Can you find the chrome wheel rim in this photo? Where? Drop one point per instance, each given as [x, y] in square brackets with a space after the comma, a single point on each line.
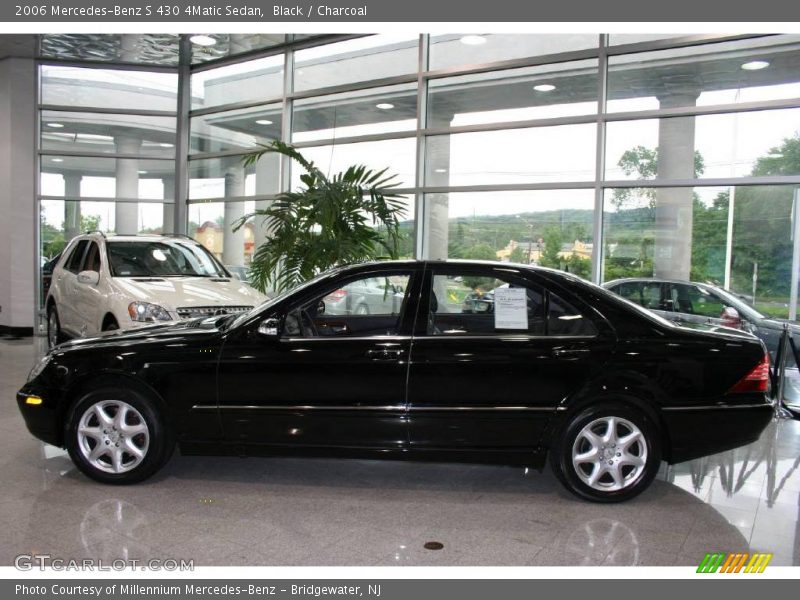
[52, 328]
[113, 436]
[609, 454]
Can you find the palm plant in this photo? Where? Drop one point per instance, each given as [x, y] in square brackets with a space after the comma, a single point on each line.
[349, 217]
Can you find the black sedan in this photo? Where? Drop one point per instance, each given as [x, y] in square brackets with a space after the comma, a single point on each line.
[559, 367]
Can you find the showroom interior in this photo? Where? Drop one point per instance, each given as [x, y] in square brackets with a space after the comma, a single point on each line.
[605, 155]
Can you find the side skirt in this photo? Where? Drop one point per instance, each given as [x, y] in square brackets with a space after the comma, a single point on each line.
[535, 457]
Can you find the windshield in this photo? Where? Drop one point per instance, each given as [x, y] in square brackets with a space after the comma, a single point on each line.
[740, 305]
[162, 259]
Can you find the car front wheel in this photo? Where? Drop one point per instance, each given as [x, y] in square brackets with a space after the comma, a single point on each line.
[117, 436]
[607, 453]
[54, 335]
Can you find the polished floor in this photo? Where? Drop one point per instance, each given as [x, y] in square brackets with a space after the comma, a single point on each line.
[256, 511]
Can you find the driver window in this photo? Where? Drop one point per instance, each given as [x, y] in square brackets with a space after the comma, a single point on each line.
[369, 306]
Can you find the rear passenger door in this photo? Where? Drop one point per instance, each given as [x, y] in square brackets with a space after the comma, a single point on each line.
[649, 294]
[486, 376]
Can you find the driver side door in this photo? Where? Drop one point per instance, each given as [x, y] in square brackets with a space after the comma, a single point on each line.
[332, 377]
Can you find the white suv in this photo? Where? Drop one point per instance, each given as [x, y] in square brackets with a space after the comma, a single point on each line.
[103, 283]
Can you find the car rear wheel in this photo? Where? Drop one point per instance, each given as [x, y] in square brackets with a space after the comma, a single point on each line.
[54, 335]
[117, 436]
[607, 453]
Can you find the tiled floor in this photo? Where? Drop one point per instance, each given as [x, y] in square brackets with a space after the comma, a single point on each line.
[231, 511]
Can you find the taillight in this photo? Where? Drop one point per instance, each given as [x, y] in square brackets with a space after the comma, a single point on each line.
[756, 380]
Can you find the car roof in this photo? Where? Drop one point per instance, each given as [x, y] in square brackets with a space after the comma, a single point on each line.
[658, 280]
[142, 237]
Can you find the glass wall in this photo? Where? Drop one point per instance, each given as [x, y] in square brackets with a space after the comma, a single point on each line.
[607, 156]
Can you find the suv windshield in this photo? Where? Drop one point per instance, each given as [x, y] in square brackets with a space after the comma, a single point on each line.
[162, 259]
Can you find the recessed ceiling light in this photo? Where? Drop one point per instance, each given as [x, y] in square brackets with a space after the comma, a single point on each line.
[57, 159]
[203, 40]
[544, 87]
[384, 106]
[755, 65]
[142, 172]
[56, 125]
[263, 121]
[473, 40]
[440, 170]
[166, 145]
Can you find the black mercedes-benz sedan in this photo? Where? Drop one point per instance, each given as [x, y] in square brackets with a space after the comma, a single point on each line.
[552, 366]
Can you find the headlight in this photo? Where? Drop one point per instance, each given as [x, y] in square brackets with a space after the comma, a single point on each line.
[39, 367]
[144, 312]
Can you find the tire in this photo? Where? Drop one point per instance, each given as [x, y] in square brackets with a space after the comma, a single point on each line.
[110, 324]
[145, 430]
[596, 466]
[54, 334]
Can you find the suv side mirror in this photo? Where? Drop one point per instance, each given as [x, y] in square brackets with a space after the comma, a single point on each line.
[269, 327]
[89, 277]
[731, 317]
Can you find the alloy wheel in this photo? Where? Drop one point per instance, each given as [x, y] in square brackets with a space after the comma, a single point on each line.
[609, 454]
[113, 436]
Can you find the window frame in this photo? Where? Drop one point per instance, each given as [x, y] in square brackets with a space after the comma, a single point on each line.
[405, 318]
[511, 275]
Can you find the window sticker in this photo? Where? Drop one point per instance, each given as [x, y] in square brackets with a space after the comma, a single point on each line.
[510, 308]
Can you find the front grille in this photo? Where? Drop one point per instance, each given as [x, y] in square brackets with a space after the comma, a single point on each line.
[190, 312]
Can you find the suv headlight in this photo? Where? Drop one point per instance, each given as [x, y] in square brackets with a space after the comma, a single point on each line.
[39, 367]
[144, 312]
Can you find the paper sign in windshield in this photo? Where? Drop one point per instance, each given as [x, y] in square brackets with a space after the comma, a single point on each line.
[510, 308]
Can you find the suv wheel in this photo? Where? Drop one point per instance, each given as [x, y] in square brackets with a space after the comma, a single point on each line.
[117, 436]
[54, 335]
[607, 453]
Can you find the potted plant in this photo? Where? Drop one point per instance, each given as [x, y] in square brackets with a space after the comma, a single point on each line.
[351, 216]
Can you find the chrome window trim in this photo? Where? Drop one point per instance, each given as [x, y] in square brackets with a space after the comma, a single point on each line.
[385, 408]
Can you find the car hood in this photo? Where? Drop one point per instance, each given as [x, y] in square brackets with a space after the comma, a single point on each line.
[190, 328]
[178, 292]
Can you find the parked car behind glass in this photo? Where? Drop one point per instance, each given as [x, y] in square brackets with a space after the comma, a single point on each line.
[105, 283]
[690, 303]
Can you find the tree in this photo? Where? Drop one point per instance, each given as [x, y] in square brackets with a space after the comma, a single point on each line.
[479, 252]
[643, 163]
[553, 241]
[518, 255]
[349, 217]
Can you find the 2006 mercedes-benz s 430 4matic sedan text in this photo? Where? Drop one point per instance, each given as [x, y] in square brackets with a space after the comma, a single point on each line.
[553, 365]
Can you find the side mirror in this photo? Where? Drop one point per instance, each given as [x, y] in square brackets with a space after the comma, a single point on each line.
[321, 307]
[731, 317]
[89, 277]
[269, 327]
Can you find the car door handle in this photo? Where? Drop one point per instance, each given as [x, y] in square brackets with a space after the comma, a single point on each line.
[570, 352]
[384, 354]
